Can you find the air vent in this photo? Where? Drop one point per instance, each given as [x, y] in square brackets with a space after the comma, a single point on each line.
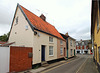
[35, 33]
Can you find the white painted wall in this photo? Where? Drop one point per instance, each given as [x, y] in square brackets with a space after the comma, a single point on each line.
[43, 39]
[4, 59]
[28, 39]
[19, 34]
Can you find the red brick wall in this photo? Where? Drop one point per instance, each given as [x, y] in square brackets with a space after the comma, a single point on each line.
[19, 59]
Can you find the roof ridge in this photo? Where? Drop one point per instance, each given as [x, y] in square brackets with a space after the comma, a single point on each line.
[36, 15]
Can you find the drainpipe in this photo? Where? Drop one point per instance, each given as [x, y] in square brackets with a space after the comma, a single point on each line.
[92, 45]
[96, 53]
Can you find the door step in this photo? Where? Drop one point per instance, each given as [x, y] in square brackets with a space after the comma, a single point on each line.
[44, 64]
[65, 58]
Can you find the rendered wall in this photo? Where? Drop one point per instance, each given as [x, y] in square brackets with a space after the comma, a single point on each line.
[4, 59]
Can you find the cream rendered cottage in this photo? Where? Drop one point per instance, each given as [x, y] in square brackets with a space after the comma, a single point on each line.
[29, 30]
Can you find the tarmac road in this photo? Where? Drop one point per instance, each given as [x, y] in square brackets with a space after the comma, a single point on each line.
[69, 67]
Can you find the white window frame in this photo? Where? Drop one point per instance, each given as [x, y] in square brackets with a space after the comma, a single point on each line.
[97, 23]
[76, 43]
[61, 50]
[26, 27]
[70, 42]
[82, 43]
[61, 42]
[50, 39]
[50, 50]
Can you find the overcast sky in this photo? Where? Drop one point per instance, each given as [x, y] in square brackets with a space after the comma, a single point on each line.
[72, 16]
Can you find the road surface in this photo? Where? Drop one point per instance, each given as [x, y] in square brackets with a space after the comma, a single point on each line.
[69, 67]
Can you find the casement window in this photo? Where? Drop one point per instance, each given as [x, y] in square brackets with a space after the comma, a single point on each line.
[76, 43]
[99, 54]
[61, 50]
[17, 20]
[50, 39]
[26, 27]
[97, 23]
[61, 42]
[82, 43]
[70, 42]
[50, 50]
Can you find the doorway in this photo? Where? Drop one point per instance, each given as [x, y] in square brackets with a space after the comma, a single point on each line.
[43, 53]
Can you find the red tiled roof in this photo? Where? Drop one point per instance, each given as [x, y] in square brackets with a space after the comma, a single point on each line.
[2, 42]
[40, 24]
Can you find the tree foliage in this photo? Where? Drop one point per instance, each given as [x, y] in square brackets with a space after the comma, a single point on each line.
[4, 37]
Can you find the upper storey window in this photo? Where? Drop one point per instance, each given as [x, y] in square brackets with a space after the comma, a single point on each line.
[50, 39]
[16, 20]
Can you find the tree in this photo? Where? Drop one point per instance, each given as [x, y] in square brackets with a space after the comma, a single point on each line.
[4, 37]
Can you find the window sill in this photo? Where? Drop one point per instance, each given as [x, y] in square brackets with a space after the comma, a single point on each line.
[51, 42]
[61, 54]
[50, 55]
[61, 44]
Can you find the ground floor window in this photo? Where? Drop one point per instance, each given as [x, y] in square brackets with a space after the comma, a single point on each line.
[99, 54]
[50, 50]
[61, 50]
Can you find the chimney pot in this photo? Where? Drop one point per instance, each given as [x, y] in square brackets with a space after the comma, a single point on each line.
[43, 17]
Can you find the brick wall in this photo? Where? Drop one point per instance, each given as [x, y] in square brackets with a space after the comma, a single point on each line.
[19, 59]
[58, 49]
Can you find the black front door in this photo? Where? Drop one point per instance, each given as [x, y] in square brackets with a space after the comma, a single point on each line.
[42, 53]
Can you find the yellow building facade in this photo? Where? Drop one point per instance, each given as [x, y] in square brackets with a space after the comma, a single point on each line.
[95, 31]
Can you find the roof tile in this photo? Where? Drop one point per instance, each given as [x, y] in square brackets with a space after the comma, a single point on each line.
[40, 24]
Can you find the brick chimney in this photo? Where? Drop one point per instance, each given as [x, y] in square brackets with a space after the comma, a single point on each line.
[43, 17]
[66, 34]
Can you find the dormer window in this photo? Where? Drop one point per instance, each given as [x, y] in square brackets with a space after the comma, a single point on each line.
[50, 39]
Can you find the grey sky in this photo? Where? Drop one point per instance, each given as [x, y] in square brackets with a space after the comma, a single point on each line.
[72, 16]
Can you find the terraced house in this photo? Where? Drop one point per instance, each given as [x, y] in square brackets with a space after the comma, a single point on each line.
[70, 44]
[29, 30]
[82, 47]
[95, 31]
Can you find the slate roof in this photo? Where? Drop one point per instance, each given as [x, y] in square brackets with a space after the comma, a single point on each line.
[39, 24]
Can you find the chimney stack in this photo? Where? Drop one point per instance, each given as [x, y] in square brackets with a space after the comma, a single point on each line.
[66, 34]
[43, 17]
